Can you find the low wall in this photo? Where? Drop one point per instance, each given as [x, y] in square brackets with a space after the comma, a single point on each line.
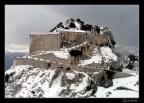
[88, 69]
[51, 57]
[34, 62]
[95, 73]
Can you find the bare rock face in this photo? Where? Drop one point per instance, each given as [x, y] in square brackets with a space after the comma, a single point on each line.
[106, 83]
[116, 66]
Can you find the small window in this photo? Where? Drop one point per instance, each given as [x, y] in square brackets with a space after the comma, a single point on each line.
[68, 68]
[83, 48]
[59, 67]
[49, 65]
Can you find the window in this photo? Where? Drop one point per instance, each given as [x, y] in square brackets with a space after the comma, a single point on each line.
[68, 68]
[49, 65]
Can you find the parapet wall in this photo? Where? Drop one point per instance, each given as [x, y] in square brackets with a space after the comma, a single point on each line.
[89, 69]
[34, 62]
[51, 57]
[43, 63]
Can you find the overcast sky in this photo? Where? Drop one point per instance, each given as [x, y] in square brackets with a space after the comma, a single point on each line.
[20, 20]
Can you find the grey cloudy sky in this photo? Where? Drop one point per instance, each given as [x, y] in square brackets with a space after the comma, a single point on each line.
[20, 20]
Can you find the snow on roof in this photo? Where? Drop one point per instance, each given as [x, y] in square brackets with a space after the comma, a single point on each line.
[43, 33]
[70, 30]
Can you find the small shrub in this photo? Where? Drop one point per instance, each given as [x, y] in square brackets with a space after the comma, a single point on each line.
[129, 66]
[72, 25]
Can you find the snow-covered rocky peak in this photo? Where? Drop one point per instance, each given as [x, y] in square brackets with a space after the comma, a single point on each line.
[73, 20]
[77, 25]
[24, 81]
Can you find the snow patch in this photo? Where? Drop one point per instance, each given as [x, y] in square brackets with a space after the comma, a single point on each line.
[108, 54]
[70, 75]
[69, 30]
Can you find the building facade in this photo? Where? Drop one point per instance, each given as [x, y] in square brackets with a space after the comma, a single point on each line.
[53, 41]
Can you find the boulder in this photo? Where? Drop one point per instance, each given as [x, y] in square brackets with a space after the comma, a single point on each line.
[105, 83]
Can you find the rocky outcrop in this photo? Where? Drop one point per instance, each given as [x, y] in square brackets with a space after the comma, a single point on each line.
[36, 82]
[105, 83]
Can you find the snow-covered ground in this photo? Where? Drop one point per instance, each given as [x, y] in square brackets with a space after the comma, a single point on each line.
[34, 82]
[30, 82]
[128, 82]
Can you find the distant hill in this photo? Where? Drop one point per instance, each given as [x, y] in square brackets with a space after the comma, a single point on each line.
[9, 56]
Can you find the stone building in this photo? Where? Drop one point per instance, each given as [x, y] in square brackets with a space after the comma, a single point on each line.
[44, 41]
[53, 41]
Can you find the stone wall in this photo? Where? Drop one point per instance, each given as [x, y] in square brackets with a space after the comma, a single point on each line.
[100, 40]
[53, 41]
[95, 73]
[34, 62]
[45, 42]
[88, 69]
[73, 35]
[52, 57]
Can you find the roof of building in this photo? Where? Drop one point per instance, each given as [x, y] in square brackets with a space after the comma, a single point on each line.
[70, 30]
[43, 33]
